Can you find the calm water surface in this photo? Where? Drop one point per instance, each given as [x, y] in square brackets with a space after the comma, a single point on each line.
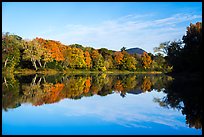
[99, 104]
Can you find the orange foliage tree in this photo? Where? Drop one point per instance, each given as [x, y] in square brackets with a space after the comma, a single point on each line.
[87, 59]
[146, 60]
[118, 57]
[53, 47]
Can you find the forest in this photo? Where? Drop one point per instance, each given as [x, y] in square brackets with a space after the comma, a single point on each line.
[41, 55]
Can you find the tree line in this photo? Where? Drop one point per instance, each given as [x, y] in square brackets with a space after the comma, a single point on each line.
[41, 54]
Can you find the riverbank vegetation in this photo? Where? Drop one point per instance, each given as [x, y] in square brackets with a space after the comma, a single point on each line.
[184, 56]
[40, 55]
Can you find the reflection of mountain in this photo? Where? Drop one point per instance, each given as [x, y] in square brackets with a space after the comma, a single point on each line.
[135, 92]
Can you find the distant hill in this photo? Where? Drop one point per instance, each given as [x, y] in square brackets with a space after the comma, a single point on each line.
[135, 50]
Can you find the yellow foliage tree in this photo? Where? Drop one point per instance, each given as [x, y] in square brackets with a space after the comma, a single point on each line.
[146, 60]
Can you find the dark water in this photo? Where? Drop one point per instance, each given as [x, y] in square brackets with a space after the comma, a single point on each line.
[101, 104]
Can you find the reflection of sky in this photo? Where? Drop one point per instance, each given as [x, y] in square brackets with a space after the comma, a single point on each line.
[112, 114]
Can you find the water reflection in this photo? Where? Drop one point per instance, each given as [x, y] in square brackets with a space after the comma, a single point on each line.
[185, 94]
[40, 89]
[46, 89]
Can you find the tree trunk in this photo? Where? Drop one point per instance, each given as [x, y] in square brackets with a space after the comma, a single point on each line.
[40, 63]
[39, 81]
[5, 82]
[44, 65]
[44, 80]
[12, 58]
[5, 63]
[35, 65]
[34, 79]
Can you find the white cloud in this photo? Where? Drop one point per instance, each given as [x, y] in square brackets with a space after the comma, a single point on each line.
[127, 112]
[177, 18]
[129, 31]
[133, 111]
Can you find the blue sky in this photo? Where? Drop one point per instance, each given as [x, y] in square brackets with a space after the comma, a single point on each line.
[101, 24]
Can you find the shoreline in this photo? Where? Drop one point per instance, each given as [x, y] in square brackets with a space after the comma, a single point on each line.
[52, 72]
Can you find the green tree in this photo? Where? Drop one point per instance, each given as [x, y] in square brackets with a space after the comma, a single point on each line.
[186, 55]
[11, 45]
[192, 51]
[128, 62]
[98, 61]
[74, 58]
[123, 49]
[108, 59]
[173, 51]
[160, 64]
[163, 48]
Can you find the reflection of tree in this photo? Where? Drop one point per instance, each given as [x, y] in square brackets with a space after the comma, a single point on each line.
[10, 92]
[186, 91]
[160, 82]
[51, 93]
[74, 87]
[107, 86]
[124, 83]
[118, 86]
[41, 89]
[87, 85]
[97, 83]
[38, 92]
[146, 86]
[130, 82]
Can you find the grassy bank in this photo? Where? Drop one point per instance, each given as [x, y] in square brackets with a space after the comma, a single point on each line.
[30, 71]
[52, 72]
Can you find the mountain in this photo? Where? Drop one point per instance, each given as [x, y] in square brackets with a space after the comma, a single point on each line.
[135, 50]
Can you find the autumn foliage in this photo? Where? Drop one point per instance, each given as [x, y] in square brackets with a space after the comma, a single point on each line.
[146, 60]
[44, 54]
